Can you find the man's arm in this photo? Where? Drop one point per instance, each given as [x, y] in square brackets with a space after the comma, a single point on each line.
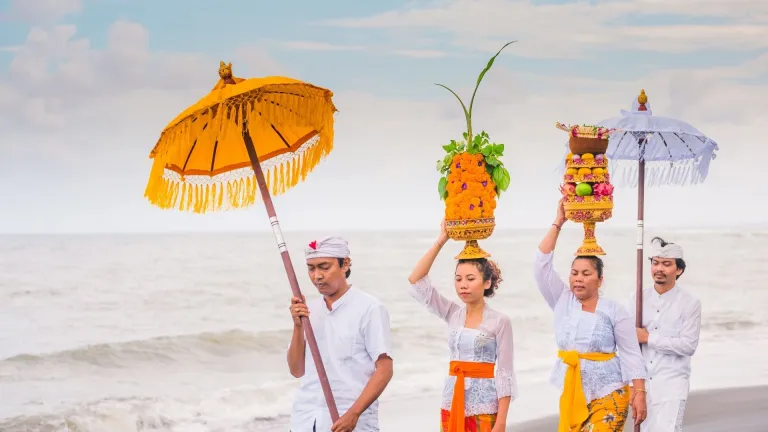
[296, 351]
[687, 342]
[377, 343]
[376, 385]
[376, 332]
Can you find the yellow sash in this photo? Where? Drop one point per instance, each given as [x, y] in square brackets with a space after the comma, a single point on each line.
[573, 403]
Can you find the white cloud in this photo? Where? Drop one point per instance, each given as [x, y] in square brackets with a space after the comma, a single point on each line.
[110, 105]
[324, 46]
[55, 74]
[43, 10]
[421, 53]
[574, 29]
[381, 174]
[320, 46]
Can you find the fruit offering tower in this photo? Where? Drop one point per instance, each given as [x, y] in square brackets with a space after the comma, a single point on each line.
[586, 185]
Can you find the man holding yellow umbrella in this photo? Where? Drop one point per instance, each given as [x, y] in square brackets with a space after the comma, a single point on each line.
[266, 134]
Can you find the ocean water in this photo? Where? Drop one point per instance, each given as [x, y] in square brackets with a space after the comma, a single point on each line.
[187, 332]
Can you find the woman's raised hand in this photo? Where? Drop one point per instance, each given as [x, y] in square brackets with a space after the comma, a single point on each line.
[443, 237]
[560, 217]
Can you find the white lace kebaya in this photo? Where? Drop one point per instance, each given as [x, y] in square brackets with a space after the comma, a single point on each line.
[608, 328]
[490, 342]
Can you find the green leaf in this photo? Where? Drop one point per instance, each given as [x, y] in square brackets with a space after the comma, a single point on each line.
[448, 147]
[464, 107]
[501, 178]
[482, 74]
[462, 147]
[498, 149]
[492, 161]
[486, 151]
[496, 175]
[441, 187]
[489, 169]
[447, 160]
[440, 165]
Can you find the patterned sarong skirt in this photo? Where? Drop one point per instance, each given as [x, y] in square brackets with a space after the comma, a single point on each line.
[607, 414]
[475, 423]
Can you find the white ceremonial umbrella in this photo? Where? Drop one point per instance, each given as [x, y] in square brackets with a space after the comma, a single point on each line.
[652, 150]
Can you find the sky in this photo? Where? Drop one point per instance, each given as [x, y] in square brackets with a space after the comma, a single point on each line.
[86, 86]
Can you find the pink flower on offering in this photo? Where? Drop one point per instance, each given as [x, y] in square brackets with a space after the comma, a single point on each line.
[603, 189]
[607, 189]
[569, 188]
[598, 189]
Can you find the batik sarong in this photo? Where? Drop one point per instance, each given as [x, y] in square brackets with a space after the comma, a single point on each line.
[475, 423]
[607, 414]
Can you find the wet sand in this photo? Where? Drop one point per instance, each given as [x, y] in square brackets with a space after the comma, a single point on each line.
[725, 410]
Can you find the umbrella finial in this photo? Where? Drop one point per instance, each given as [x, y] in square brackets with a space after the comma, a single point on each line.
[225, 75]
[642, 100]
[225, 70]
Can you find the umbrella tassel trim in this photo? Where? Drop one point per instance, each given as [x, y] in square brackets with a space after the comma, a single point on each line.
[625, 173]
[235, 189]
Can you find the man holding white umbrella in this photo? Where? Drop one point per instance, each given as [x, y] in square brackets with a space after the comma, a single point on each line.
[649, 150]
[669, 337]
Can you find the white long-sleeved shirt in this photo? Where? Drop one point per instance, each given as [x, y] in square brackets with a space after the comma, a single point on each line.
[351, 337]
[673, 321]
[490, 342]
[609, 329]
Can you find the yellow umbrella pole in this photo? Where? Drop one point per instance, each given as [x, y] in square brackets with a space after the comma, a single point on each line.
[281, 246]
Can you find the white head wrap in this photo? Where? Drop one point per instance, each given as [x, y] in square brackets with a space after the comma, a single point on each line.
[328, 247]
[671, 250]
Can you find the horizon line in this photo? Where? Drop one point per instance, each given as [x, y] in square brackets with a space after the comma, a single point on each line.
[749, 227]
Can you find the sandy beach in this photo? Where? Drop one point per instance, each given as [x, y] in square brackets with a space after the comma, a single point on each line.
[739, 409]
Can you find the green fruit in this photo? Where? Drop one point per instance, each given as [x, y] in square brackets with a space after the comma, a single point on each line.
[583, 189]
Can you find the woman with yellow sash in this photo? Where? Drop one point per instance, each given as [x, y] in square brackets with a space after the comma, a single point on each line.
[589, 329]
[475, 397]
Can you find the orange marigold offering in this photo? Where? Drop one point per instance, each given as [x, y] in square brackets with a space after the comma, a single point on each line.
[471, 178]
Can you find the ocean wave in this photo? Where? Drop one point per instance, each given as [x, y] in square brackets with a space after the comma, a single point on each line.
[192, 347]
[730, 324]
[242, 409]
[163, 349]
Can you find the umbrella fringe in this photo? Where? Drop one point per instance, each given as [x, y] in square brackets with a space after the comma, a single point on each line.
[237, 189]
[625, 173]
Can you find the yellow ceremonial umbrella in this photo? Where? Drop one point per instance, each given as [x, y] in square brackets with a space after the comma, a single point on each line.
[246, 133]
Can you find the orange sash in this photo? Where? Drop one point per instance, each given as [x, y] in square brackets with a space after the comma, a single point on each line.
[462, 370]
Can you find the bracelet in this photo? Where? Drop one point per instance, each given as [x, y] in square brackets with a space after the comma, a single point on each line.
[642, 390]
[557, 226]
